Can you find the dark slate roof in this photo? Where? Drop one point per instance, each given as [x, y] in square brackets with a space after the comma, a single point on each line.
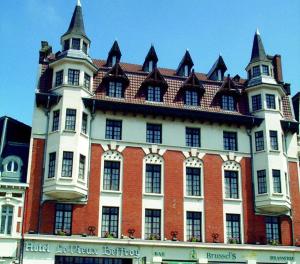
[77, 25]
[258, 51]
[219, 64]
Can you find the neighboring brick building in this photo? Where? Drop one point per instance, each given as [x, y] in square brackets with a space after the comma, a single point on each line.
[14, 150]
[136, 163]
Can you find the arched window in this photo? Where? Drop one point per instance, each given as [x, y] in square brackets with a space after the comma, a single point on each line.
[12, 166]
[6, 219]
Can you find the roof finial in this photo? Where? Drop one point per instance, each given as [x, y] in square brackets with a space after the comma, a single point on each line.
[78, 3]
[257, 32]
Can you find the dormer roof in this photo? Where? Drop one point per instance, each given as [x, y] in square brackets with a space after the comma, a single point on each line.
[186, 60]
[114, 51]
[155, 78]
[151, 56]
[258, 51]
[229, 87]
[218, 65]
[116, 73]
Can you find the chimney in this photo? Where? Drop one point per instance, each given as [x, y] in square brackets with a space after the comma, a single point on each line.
[287, 88]
[277, 68]
[45, 51]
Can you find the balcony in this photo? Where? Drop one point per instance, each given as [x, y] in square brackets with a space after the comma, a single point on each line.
[65, 189]
[272, 204]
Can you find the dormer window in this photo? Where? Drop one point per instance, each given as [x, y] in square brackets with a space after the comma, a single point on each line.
[154, 94]
[186, 70]
[150, 66]
[185, 65]
[255, 71]
[265, 70]
[113, 60]
[150, 60]
[219, 73]
[66, 44]
[76, 43]
[191, 98]
[228, 103]
[115, 89]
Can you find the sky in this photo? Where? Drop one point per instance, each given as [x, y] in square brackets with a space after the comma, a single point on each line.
[206, 28]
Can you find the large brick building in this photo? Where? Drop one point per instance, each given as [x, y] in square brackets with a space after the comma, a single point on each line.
[135, 163]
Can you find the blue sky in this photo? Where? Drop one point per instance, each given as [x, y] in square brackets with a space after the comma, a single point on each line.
[206, 28]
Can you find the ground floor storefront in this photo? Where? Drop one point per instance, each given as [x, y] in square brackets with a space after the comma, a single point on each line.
[40, 249]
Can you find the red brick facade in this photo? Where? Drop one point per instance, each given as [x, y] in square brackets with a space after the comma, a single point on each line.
[85, 215]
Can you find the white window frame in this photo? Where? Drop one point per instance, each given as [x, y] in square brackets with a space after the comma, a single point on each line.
[193, 162]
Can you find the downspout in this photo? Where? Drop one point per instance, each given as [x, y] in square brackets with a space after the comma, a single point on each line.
[3, 137]
[288, 184]
[47, 113]
[90, 148]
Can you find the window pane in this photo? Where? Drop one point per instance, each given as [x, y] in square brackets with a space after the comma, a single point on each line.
[63, 218]
[110, 222]
[259, 140]
[111, 179]
[153, 178]
[153, 133]
[273, 140]
[272, 229]
[233, 228]
[154, 94]
[70, 119]
[81, 167]
[193, 182]
[73, 77]
[265, 70]
[192, 137]
[256, 102]
[55, 121]
[84, 123]
[230, 140]
[261, 181]
[270, 98]
[191, 98]
[256, 71]
[276, 181]
[152, 224]
[87, 81]
[113, 129]
[67, 165]
[52, 161]
[76, 43]
[59, 78]
[228, 102]
[115, 89]
[231, 184]
[6, 219]
[193, 226]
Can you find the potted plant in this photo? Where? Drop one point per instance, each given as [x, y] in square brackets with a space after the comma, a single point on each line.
[194, 239]
[274, 242]
[154, 237]
[233, 240]
[109, 235]
[215, 237]
[131, 232]
[61, 233]
[174, 235]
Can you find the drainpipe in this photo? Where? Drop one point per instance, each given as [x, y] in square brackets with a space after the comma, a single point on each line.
[90, 148]
[3, 137]
[47, 113]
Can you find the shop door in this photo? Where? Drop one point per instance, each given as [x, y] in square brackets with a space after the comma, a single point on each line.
[88, 260]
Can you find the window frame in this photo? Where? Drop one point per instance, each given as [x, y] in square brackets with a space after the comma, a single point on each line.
[70, 122]
[153, 178]
[276, 176]
[110, 213]
[82, 167]
[259, 140]
[256, 102]
[52, 165]
[191, 98]
[228, 102]
[7, 228]
[271, 101]
[76, 43]
[265, 70]
[115, 89]
[59, 78]
[153, 225]
[113, 129]
[67, 164]
[231, 184]
[154, 94]
[262, 187]
[273, 140]
[73, 77]
[65, 209]
[190, 189]
[231, 221]
[191, 235]
[191, 134]
[110, 183]
[272, 224]
[154, 133]
[55, 120]
[87, 81]
[256, 71]
[84, 123]
[230, 140]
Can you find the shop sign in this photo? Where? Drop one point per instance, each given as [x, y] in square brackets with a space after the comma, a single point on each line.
[76, 249]
[282, 258]
[221, 256]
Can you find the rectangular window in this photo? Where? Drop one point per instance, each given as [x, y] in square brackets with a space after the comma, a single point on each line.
[6, 219]
[191, 98]
[276, 181]
[230, 140]
[154, 133]
[81, 172]
[273, 140]
[51, 168]
[153, 178]
[115, 89]
[272, 229]
[270, 98]
[76, 43]
[192, 137]
[73, 77]
[152, 224]
[67, 164]
[261, 181]
[265, 70]
[66, 44]
[256, 102]
[154, 94]
[233, 228]
[193, 226]
[63, 219]
[84, 123]
[110, 222]
[228, 103]
[59, 78]
[84, 47]
[111, 179]
[87, 81]
[113, 129]
[70, 119]
[259, 141]
[255, 71]
[231, 184]
[193, 181]
[55, 121]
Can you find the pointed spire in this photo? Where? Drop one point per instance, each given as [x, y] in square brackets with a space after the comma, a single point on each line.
[114, 55]
[186, 61]
[258, 51]
[218, 65]
[151, 56]
[77, 25]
